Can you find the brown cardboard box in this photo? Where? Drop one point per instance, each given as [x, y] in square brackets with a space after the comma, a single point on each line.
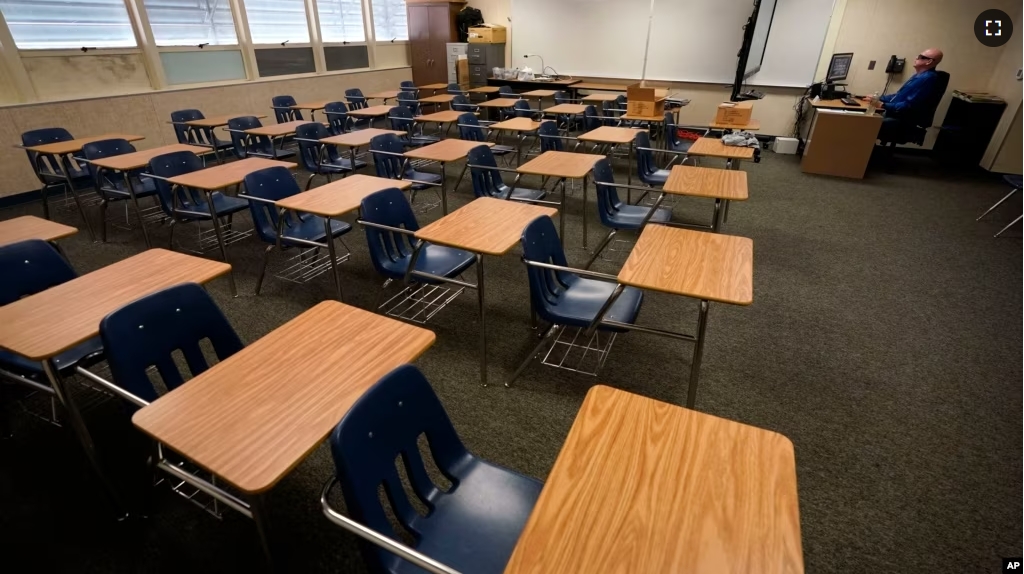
[492, 34]
[644, 101]
[462, 72]
[734, 113]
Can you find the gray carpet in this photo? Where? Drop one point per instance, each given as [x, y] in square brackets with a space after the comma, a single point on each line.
[883, 340]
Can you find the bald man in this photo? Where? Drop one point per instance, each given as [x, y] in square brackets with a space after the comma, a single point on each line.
[911, 104]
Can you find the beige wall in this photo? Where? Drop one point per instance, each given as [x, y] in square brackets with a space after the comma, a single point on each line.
[1008, 151]
[392, 55]
[1004, 151]
[147, 114]
[65, 77]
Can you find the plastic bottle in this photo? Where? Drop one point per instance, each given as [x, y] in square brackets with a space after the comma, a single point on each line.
[873, 102]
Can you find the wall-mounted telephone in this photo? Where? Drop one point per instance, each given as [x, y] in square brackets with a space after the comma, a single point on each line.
[895, 65]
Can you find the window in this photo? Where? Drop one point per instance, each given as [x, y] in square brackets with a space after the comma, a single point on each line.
[191, 22]
[56, 24]
[276, 21]
[390, 21]
[341, 20]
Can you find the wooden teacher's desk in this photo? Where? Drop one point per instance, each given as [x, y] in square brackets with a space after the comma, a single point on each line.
[839, 139]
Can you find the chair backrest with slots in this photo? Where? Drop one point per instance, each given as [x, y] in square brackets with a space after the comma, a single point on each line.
[608, 202]
[486, 178]
[283, 111]
[390, 252]
[389, 166]
[337, 117]
[170, 165]
[549, 137]
[309, 152]
[29, 267]
[540, 243]
[272, 184]
[355, 98]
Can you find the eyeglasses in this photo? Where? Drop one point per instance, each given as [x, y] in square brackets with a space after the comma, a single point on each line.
[923, 57]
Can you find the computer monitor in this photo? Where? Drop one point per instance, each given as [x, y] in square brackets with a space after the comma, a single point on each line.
[839, 67]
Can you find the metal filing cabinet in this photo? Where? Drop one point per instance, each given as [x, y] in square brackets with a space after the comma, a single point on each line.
[483, 57]
[454, 50]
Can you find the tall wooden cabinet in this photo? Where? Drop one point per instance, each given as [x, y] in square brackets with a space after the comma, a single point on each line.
[431, 25]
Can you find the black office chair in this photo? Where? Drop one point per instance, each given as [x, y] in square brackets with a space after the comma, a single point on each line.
[914, 130]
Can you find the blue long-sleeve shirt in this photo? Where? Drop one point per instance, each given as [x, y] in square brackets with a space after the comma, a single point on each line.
[907, 100]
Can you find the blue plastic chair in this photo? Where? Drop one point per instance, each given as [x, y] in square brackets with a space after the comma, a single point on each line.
[522, 109]
[472, 526]
[149, 330]
[113, 186]
[283, 110]
[646, 170]
[616, 215]
[388, 161]
[455, 89]
[318, 158]
[339, 120]
[487, 181]
[29, 267]
[470, 130]
[674, 142]
[356, 99]
[401, 119]
[409, 100]
[567, 297]
[184, 204]
[196, 136]
[263, 188]
[550, 139]
[592, 121]
[244, 144]
[391, 242]
[462, 104]
[51, 169]
[507, 92]
[409, 86]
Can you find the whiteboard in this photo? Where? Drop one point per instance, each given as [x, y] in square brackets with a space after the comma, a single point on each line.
[691, 40]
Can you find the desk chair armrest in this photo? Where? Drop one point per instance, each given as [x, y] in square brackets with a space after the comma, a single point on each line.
[508, 169]
[373, 537]
[259, 199]
[308, 140]
[420, 182]
[657, 150]
[559, 137]
[131, 398]
[573, 270]
[625, 186]
[243, 132]
[286, 108]
[401, 230]
[147, 174]
[396, 154]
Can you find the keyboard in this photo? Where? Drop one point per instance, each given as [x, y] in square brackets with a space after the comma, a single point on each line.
[750, 95]
[850, 102]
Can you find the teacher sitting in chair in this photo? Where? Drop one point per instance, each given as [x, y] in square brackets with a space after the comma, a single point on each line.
[910, 111]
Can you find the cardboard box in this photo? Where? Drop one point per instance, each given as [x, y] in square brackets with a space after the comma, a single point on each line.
[462, 72]
[734, 113]
[487, 34]
[645, 102]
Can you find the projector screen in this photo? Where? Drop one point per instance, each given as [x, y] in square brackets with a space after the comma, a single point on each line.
[760, 40]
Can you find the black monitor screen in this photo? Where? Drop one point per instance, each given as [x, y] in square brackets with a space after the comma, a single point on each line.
[759, 39]
[839, 67]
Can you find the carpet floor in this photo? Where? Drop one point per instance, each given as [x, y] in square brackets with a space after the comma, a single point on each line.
[883, 341]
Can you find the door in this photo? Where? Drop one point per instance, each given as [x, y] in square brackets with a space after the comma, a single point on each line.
[419, 44]
[440, 34]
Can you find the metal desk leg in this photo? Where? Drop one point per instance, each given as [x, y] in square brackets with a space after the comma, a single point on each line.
[329, 238]
[351, 159]
[258, 507]
[483, 324]
[135, 203]
[561, 217]
[716, 216]
[78, 201]
[444, 190]
[220, 241]
[82, 432]
[629, 169]
[698, 350]
[462, 174]
[584, 212]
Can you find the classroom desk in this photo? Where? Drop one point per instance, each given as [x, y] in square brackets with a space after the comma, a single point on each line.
[719, 184]
[563, 165]
[539, 95]
[532, 84]
[356, 139]
[42, 326]
[650, 121]
[713, 147]
[522, 127]
[615, 136]
[599, 98]
[751, 126]
[372, 112]
[646, 487]
[140, 159]
[442, 152]
[32, 227]
[599, 86]
[497, 103]
[219, 177]
[334, 199]
[485, 226]
[440, 118]
[384, 95]
[437, 100]
[56, 152]
[277, 131]
[705, 266]
[434, 87]
[566, 109]
[256, 415]
[484, 90]
[312, 107]
[840, 139]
